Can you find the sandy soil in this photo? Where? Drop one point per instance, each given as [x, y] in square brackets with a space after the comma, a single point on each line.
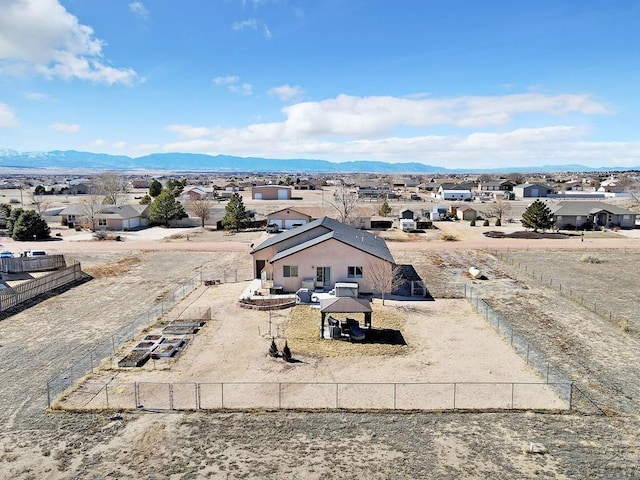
[447, 342]
[596, 353]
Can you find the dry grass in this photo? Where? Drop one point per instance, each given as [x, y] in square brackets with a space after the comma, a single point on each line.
[302, 332]
[120, 267]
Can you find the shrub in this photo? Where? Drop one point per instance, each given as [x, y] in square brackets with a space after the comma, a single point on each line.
[273, 349]
[498, 223]
[472, 223]
[485, 223]
[100, 235]
[286, 353]
[590, 259]
[447, 237]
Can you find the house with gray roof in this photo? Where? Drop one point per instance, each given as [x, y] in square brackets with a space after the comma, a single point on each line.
[532, 190]
[319, 254]
[105, 217]
[587, 215]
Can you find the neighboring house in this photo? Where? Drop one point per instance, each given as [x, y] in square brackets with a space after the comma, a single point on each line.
[271, 192]
[198, 193]
[454, 191]
[374, 191]
[232, 187]
[288, 218]
[321, 253]
[586, 215]
[532, 190]
[496, 186]
[106, 217]
[306, 185]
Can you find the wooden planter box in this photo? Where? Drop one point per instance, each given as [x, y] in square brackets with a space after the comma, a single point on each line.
[135, 358]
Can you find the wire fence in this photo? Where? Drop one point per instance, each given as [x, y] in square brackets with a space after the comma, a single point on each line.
[574, 293]
[108, 346]
[319, 395]
[530, 354]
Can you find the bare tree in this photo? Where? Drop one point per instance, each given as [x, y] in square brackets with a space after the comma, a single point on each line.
[91, 211]
[631, 186]
[344, 202]
[112, 186]
[384, 277]
[499, 208]
[39, 202]
[201, 209]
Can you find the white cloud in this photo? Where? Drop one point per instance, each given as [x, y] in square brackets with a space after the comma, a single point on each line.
[250, 23]
[65, 127]
[119, 145]
[352, 128]
[267, 31]
[187, 131]
[98, 142]
[233, 85]
[139, 9]
[228, 80]
[362, 117]
[7, 117]
[41, 37]
[287, 93]
[36, 96]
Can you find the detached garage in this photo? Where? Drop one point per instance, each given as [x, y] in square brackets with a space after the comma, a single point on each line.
[288, 218]
[271, 192]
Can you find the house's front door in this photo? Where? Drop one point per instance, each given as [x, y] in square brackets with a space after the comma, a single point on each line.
[323, 277]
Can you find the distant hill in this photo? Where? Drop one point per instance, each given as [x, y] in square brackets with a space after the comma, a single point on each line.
[191, 162]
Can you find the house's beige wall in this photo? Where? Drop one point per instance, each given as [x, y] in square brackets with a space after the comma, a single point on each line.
[331, 253]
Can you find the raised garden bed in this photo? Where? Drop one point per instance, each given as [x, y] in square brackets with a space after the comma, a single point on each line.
[146, 346]
[153, 338]
[165, 350]
[135, 358]
[179, 330]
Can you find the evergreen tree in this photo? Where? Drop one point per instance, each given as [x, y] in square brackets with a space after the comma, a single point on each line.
[286, 353]
[30, 226]
[155, 188]
[165, 207]
[385, 209]
[235, 214]
[273, 349]
[146, 200]
[537, 216]
[12, 219]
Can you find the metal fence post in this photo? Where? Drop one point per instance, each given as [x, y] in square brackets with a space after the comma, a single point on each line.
[135, 394]
[48, 395]
[221, 395]
[454, 396]
[106, 393]
[395, 392]
[171, 396]
[337, 402]
[571, 396]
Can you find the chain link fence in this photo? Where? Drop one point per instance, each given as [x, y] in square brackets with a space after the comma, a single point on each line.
[530, 354]
[110, 345]
[318, 395]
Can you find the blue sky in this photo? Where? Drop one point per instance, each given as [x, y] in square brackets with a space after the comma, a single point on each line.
[454, 83]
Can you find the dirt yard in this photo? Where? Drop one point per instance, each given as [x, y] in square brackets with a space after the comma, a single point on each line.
[599, 355]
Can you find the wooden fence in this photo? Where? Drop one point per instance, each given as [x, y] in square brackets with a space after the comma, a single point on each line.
[12, 296]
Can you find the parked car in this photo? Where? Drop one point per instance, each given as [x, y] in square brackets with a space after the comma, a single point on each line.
[36, 253]
[6, 254]
[272, 228]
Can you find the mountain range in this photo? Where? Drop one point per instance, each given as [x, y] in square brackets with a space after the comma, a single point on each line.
[196, 162]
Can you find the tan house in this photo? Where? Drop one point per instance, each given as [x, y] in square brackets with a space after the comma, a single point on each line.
[288, 218]
[271, 192]
[105, 217]
[319, 254]
[199, 193]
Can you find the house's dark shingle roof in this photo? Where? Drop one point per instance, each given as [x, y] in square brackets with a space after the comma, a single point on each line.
[329, 229]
